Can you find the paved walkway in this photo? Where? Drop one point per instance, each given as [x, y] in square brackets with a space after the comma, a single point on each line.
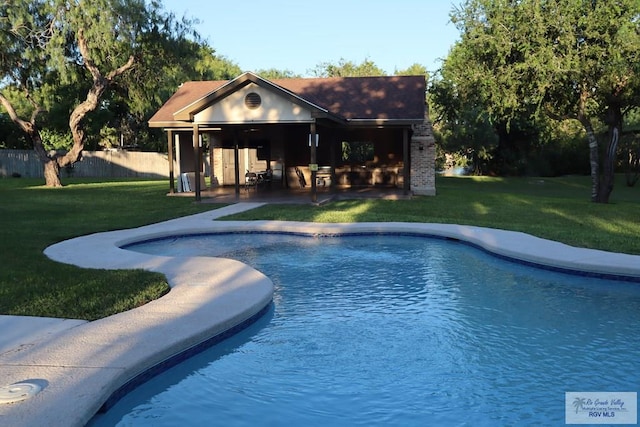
[78, 365]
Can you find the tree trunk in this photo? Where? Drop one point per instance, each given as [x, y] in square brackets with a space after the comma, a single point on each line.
[594, 158]
[614, 122]
[633, 166]
[608, 176]
[52, 174]
[50, 163]
[100, 85]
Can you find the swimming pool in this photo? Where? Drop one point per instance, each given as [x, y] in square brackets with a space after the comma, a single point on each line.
[397, 330]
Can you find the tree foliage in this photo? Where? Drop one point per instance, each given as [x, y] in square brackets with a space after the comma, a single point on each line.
[275, 74]
[344, 68]
[99, 63]
[348, 69]
[413, 70]
[566, 59]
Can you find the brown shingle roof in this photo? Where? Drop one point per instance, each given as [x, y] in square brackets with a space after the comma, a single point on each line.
[353, 98]
[390, 98]
[186, 94]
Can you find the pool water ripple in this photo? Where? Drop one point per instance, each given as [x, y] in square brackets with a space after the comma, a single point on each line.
[379, 330]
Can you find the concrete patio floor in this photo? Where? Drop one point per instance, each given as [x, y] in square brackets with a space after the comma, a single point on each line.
[263, 194]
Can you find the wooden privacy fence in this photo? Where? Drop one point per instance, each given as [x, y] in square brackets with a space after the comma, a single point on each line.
[94, 164]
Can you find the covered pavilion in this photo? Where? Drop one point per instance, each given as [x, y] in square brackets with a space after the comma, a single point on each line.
[310, 134]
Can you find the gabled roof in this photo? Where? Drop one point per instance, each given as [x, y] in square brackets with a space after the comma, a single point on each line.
[397, 99]
[187, 112]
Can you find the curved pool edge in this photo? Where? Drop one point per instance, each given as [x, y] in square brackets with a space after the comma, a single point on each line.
[510, 245]
[85, 365]
[80, 368]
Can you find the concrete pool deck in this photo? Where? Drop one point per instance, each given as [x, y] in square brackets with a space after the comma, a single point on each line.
[79, 364]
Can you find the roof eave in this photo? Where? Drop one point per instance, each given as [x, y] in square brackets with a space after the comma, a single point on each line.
[385, 122]
[187, 113]
[329, 116]
[169, 124]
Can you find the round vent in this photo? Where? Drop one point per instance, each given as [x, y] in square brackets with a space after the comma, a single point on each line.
[252, 100]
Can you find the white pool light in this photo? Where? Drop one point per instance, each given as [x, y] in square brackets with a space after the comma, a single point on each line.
[18, 392]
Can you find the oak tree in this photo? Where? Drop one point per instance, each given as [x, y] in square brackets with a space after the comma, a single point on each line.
[53, 43]
[568, 59]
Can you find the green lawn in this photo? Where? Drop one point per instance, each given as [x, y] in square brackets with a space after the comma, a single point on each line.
[33, 217]
[557, 208]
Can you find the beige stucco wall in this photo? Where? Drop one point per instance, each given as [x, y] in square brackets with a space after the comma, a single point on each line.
[273, 109]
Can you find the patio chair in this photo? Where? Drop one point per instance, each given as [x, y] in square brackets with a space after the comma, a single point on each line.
[250, 180]
[301, 180]
[266, 178]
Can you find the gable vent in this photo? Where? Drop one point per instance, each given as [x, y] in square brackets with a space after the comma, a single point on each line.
[252, 100]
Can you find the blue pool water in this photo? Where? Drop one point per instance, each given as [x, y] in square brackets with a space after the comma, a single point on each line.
[396, 330]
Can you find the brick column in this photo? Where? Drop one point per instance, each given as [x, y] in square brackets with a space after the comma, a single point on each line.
[423, 158]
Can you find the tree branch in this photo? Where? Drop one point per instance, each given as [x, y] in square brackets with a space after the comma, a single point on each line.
[115, 73]
[24, 125]
[84, 51]
[558, 117]
[7, 105]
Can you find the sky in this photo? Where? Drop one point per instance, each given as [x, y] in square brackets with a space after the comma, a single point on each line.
[299, 35]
